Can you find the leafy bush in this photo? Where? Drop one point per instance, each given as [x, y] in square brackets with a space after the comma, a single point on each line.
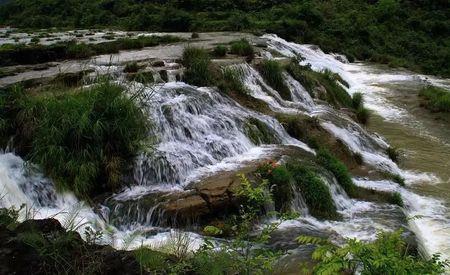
[197, 63]
[220, 50]
[338, 169]
[315, 192]
[388, 254]
[436, 99]
[131, 67]
[84, 140]
[280, 181]
[242, 47]
[195, 35]
[272, 72]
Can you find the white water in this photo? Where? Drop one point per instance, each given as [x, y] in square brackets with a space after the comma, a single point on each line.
[200, 132]
[432, 226]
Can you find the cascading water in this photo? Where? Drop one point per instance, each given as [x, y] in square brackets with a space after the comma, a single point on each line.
[432, 217]
[199, 132]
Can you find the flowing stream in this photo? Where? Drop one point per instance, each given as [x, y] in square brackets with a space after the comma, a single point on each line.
[200, 132]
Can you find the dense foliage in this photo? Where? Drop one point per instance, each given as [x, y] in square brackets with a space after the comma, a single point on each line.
[407, 33]
[387, 255]
[436, 99]
[84, 140]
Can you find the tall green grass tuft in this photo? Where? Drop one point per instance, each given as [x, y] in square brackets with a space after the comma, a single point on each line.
[242, 47]
[84, 139]
[272, 72]
[436, 99]
[339, 170]
[197, 62]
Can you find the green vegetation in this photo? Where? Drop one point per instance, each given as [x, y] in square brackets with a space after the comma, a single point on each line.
[436, 99]
[84, 139]
[408, 33]
[36, 53]
[396, 198]
[389, 254]
[398, 179]
[260, 133]
[357, 100]
[272, 72]
[285, 178]
[198, 66]
[280, 181]
[314, 82]
[131, 67]
[241, 47]
[316, 193]
[339, 170]
[393, 154]
[220, 51]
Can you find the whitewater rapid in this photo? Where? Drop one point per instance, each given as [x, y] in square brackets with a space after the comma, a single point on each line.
[200, 132]
[428, 217]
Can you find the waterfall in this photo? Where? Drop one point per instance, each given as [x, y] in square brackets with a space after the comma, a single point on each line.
[198, 131]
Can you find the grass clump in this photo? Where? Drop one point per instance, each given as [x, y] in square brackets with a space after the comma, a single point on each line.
[84, 139]
[436, 99]
[131, 67]
[393, 154]
[398, 179]
[363, 115]
[339, 170]
[272, 72]
[231, 81]
[241, 47]
[316, 193]
[197, 63]
[259, 132]
[220, 51]
[396, 199]
[314, 82]
[357, 100]
[280, 184]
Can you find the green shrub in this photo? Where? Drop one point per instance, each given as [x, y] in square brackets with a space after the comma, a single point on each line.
[315, 192]
[272, 72]
[338, 169]
[131, 67]
[150, 260]
[388, 254]
[242, 47]
[220, 50]
[84, 140]
[197, 63]
[35, 40]
[195, 35]
[363, 115]
[79, 50]
[280, 180]
[393, 154]
[436, 99]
